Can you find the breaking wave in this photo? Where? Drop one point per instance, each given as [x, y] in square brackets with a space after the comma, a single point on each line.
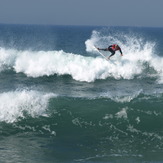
[139, 60]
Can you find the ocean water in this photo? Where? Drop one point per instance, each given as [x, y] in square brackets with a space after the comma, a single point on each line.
[62, 102]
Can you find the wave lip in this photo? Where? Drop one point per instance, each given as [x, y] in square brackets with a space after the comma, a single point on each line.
[15, 104]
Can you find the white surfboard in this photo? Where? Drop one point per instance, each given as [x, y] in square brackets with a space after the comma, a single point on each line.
[101, 54]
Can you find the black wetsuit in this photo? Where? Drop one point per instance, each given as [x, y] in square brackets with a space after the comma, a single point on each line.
[112, 50]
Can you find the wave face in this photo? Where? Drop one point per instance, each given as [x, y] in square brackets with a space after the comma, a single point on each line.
[140, 59]
[60, 101]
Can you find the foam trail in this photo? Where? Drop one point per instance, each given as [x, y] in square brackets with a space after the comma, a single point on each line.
[15, 103]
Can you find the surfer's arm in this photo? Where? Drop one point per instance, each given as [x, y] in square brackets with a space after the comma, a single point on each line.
[121, 51]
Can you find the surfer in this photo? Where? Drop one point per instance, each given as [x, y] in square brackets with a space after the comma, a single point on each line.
[112, 48]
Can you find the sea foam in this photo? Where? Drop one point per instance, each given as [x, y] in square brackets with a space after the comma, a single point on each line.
[137, 54]
[15, 103]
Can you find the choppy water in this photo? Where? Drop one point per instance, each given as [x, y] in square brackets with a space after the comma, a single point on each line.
[60, 101]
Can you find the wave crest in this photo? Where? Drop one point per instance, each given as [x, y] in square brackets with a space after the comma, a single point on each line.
[15, 103]
[137, 54]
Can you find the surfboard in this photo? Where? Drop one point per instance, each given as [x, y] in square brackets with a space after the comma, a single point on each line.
[101, 54]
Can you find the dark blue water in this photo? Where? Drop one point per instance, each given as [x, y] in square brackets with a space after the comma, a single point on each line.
[61, 101]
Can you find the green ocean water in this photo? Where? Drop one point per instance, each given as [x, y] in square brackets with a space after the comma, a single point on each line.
[60, 101]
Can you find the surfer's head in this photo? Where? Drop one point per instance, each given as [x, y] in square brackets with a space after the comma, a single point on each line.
[116, 46]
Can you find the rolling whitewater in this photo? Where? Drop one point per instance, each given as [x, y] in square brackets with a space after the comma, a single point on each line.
[61, 101]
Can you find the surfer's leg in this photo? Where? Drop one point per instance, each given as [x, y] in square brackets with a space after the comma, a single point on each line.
[106, 49]
[112, 53]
